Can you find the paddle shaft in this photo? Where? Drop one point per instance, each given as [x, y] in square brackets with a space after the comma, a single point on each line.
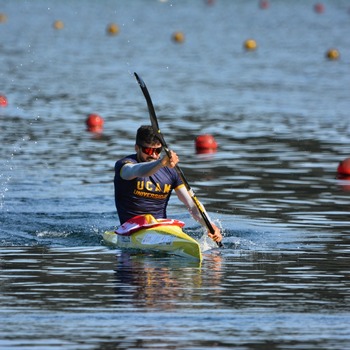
[156, 128]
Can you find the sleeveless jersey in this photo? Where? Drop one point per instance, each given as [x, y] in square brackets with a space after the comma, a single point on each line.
[143, 195]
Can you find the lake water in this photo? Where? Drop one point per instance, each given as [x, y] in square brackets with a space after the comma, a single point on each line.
[280, 116]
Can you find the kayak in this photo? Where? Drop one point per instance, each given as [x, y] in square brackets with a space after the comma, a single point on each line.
[144, 232]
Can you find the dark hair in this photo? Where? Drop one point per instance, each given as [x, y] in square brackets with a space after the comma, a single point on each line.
[146, 135]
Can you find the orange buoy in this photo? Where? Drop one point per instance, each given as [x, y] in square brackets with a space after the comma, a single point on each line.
[178, 37]
[344, 168]
[332, 54]
[250, 45]
[58, 25]
[94, 123]
[3, 101]
[319, 8]
[206, 144]
[3, 18]
[112, 29]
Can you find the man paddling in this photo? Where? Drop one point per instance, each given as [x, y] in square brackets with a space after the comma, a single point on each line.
[143, 182]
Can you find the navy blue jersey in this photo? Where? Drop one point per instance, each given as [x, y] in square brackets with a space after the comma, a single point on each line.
[143, 195]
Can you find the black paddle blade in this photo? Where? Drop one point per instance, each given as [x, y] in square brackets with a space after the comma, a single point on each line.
[152, 112]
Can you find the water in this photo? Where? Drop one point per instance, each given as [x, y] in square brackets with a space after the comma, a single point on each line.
[280, 117]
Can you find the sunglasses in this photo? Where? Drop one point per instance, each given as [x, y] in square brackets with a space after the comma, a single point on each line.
[150, 150]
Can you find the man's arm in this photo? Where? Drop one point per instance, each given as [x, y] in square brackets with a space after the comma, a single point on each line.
[185, 198]
[130, 171]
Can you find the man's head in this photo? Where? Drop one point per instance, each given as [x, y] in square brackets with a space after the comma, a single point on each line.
[146, 135]
[148, 146]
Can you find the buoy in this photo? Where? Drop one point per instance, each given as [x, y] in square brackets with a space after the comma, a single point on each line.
[3, 18]
[332, 54]
[3, 101]
[94, 123]
[344, 168]
[112, 29]
[58, 25]
[250, 45]
[206, 144]
[178, 37]
[319, 8]
[264, 4]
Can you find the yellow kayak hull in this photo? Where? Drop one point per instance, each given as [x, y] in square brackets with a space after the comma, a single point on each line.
[167, 238]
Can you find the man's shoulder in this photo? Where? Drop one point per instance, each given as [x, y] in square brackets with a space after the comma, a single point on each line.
[131, 159]
[128, 159]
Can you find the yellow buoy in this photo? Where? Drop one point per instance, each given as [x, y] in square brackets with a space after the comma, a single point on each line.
[250, 44]
[332, 54]
[3, 18]
[112, 29]
[178, 37]
[58, 25]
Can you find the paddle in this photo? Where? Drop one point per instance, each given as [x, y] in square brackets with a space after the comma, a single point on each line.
[156, 129]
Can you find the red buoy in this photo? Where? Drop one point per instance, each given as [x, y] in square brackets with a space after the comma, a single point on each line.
[319, 8]
[264, 4]
[206, 144]
[344, 168]
[94, 123]
[3, 101]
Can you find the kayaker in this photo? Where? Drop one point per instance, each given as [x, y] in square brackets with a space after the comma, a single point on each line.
[143, 182]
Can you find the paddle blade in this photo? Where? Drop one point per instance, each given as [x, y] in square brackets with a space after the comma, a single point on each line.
[152, 112]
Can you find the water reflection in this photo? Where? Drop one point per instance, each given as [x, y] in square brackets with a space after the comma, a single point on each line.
[284, 281]
[151, 296]
[152, 283]
[62, 280]
[344, 182]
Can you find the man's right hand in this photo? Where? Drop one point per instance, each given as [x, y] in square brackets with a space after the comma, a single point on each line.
[170, 162]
